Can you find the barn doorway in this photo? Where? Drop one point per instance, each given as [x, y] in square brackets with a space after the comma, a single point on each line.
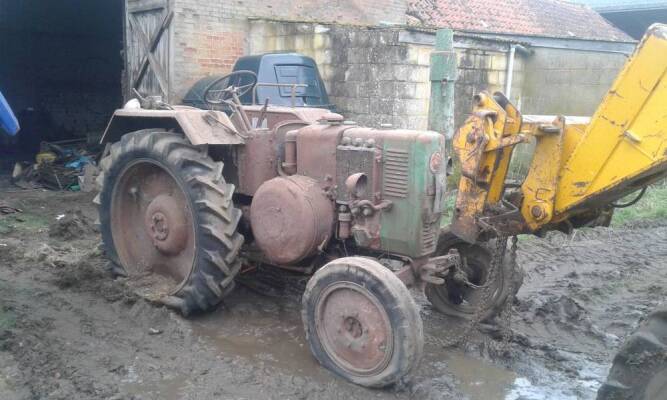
[61, 67]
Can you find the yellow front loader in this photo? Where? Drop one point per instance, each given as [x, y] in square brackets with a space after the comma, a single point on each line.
[580, 167]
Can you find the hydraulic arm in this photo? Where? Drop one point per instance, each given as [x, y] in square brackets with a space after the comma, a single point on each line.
[580, 166]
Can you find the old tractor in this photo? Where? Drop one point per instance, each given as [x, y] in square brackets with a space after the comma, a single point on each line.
[189, 196]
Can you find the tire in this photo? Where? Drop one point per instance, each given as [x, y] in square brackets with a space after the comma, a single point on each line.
[447, 298]
[203, 271]
[639, 370]
[373, 311]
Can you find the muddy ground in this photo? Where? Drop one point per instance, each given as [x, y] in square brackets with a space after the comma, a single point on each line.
[69, 331]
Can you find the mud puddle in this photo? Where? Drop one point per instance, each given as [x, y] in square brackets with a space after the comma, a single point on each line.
[270, 334]
[68, 331]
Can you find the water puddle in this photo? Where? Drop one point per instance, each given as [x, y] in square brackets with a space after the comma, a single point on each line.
[477, 378]
[271, 333]
[268, 332]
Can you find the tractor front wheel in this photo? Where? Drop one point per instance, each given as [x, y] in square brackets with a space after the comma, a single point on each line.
[167, 219]
[362, 323]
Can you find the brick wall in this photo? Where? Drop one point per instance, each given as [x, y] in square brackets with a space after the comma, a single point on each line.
[208, 35]
[371, 76]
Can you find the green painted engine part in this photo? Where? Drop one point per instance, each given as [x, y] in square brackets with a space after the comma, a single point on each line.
[412, 225]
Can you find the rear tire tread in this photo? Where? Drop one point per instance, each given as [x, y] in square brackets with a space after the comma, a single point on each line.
[642, 355]
[216, 218]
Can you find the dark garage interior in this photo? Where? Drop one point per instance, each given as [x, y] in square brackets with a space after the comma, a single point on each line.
[60, 70]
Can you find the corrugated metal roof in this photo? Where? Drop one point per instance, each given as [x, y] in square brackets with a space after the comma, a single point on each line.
[548, 18]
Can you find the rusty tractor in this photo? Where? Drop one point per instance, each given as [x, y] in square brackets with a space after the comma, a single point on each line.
[190, 195]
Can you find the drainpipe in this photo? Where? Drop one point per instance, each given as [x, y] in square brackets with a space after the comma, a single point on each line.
[510, 71]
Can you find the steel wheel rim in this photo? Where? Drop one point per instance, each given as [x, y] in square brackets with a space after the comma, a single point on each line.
[152, 226]
[354, 329]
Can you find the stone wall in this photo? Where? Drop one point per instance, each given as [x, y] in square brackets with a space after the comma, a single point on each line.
[209, 35]
[371, 75]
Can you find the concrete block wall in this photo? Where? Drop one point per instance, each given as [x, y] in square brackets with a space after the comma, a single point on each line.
[480, 70]
[380, 80]
[208, 36]
[313, 40]
[568, 82]
[371, 76]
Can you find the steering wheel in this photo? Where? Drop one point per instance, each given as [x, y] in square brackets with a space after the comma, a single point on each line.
[222, 90]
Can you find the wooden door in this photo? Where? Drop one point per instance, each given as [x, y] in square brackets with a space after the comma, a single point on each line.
[147, 47]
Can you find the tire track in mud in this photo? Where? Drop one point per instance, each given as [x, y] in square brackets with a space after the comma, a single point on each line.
[80, 335]
[582, 295]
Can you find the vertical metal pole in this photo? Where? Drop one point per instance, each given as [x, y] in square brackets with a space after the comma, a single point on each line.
[443, 79]
[510, 72]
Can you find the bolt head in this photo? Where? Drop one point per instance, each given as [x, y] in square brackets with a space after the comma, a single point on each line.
[537, 212]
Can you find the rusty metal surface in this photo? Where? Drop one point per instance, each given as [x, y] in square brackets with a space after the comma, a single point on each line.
[152, 225]
[354, 328]
[484, 147]
[276, 114]
[357, 167]
[291, 217]
[257, 160]
[261, 157]
[316, 151]
[200, 126]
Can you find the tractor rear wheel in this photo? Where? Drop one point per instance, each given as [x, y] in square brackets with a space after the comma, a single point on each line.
[639, 371]
[495, 289]
[362, 323]
[167, 219]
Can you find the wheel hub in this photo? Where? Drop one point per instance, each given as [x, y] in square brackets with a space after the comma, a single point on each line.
[354, 328]
[152, 227]
[166, 224]
[159, 226]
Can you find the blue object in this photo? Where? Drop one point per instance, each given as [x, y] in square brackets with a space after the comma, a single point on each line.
[8, 121]
[78, 163]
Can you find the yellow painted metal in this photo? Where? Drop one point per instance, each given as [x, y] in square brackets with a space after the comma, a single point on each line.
[579, 166]
[539, 187]
[556, 138]
[484, 147]
[625, 145]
